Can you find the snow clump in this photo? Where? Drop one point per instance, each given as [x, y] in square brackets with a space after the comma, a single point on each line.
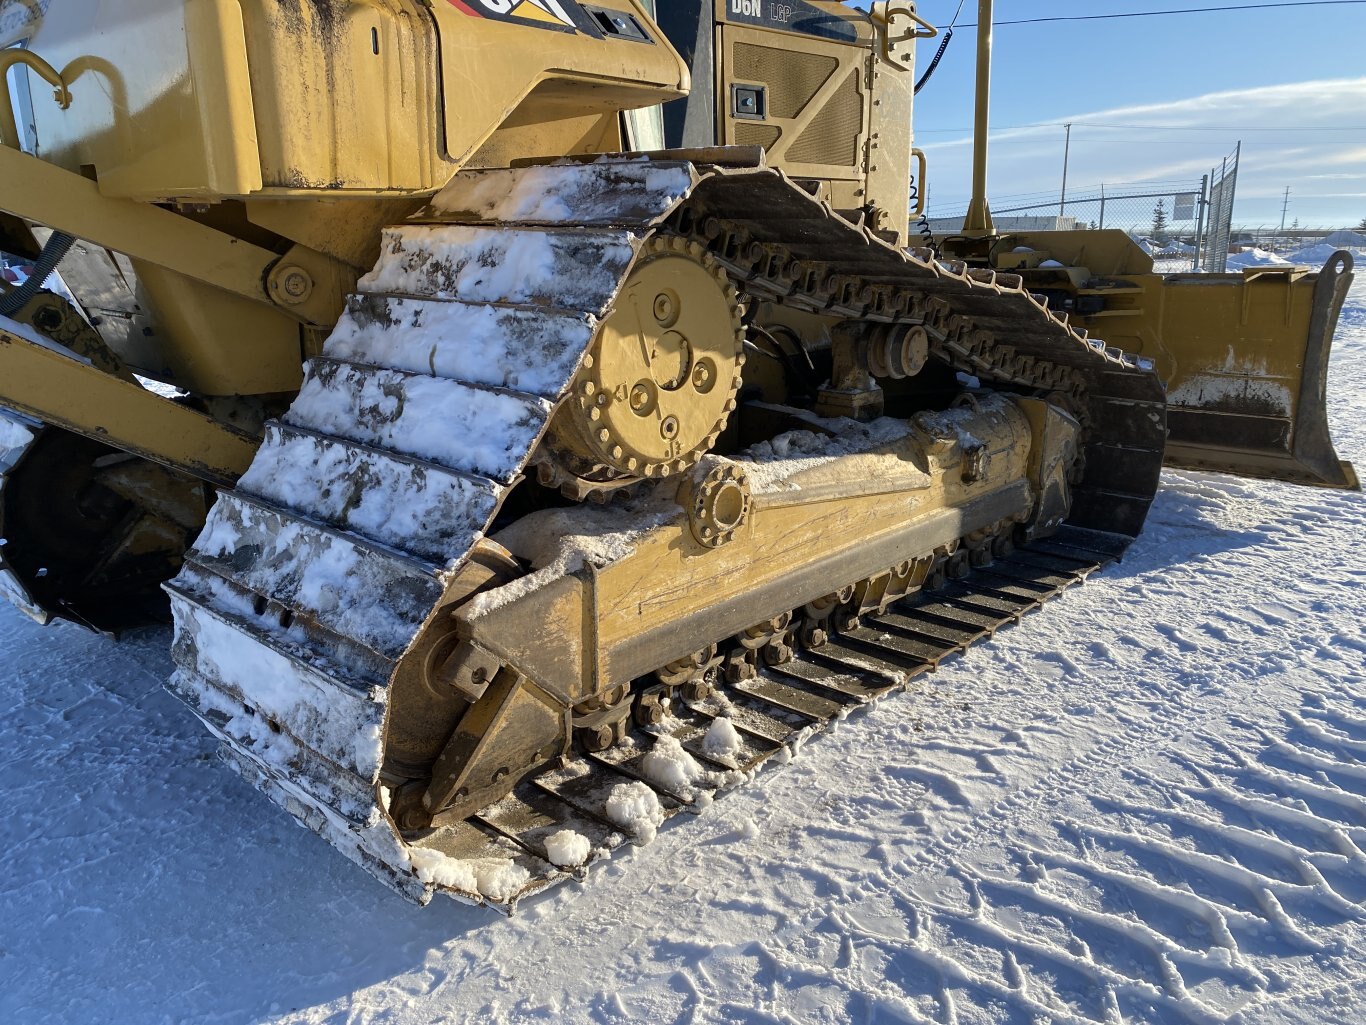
[14, 434]
[635, 808]
[567, 849]
[669, 766]
[722, 740]
[491, 877]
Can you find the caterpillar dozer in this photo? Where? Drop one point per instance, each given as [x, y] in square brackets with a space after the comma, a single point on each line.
[534, 414]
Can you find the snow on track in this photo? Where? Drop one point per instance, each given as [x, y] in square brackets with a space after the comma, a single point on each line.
[1147, 803]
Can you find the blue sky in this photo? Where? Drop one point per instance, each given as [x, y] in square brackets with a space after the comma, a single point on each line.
[1216, 74]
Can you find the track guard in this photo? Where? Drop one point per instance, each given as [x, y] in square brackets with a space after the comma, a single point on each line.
[1250, 398]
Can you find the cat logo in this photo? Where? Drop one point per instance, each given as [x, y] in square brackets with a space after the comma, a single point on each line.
[549, 13]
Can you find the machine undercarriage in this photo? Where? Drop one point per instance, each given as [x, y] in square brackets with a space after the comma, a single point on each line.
[481, 573]
[645, 448]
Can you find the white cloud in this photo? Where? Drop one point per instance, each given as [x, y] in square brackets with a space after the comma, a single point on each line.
[1182, 145]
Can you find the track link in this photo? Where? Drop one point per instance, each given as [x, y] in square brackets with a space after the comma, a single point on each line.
[315, 576]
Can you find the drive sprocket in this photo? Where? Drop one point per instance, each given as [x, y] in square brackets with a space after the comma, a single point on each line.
[661, 378]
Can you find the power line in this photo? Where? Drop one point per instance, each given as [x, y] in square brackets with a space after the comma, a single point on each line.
[1229, 128]
[1184, 10]
[1150, 128]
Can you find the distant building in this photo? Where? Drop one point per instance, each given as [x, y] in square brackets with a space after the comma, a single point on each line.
[953, 225]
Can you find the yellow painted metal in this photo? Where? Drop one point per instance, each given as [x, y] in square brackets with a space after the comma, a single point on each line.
[221, 330]
[198, 100]
[838, 111]
[215, 343]
[818, 97]
[161, 103]
[661, 379]
[215, 37]
[499, 74]
[9, 131]
[38, 190]
[901, 26]
[53, 318]
[891, 103]
[836, 523]
[345, 227]
[1245, 356]
[348, 96]
[922, 181]
[167, 96]
[978, 220]
[39, 379]
[285, 135]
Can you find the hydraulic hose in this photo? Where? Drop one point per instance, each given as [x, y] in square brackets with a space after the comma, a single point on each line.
[59, 243]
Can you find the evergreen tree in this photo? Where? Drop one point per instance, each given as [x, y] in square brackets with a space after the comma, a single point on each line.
[1160, 222]
[1362, 225]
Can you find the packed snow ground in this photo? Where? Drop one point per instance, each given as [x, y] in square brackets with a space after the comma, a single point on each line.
[1145, 804]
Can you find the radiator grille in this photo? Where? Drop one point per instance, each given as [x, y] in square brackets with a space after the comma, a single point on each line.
[747, 133]
[833, 135]
[793, 79]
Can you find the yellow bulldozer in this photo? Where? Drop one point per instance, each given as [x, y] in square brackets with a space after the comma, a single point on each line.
[534, 414]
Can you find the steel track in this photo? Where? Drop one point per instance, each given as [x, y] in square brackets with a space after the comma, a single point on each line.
[783, 708]
[288, 659]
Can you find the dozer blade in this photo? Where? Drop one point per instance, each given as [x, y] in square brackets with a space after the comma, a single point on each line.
[1249, 388]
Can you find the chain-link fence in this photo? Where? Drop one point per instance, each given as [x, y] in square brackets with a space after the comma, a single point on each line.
[1223, 185]
[1184, 225]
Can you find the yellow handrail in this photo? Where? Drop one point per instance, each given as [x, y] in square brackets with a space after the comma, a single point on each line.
[921, 179]
[883, 14]
[899, 49]
[9, 130]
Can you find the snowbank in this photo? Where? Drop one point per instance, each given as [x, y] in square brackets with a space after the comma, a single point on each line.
[1317, 256]
[1256, 258]
[1346, 240]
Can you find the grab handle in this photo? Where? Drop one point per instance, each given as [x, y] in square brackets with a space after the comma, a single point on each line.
[9, 131]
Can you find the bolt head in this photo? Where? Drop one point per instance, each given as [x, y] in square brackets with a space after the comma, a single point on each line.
[664, 308]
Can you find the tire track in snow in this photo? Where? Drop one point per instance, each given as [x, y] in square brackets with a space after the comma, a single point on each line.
[1235, 901]
[1093, 922]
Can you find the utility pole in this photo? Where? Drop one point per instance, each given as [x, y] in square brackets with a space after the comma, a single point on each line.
[1066, 154]
[978, 221]
[1284, 208]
